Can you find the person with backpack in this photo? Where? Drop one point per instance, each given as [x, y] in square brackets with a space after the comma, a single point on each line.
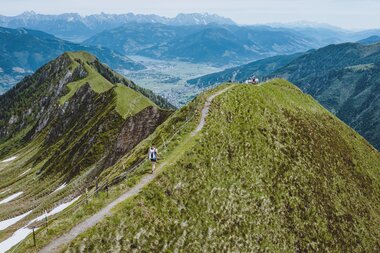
[152, 156]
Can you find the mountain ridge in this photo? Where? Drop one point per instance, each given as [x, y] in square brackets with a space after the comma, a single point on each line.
[66, 124]
[342, 77]
[296, 166]
[213, 44]
[23, 51]
[76, 27]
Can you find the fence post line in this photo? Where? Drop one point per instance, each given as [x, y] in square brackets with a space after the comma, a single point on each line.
[34, 237]
[96, 186]
[46, 221]
[86, 195]
[107, 187]
[163, 141]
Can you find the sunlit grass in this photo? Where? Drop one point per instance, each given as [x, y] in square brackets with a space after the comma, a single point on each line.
[271, 171]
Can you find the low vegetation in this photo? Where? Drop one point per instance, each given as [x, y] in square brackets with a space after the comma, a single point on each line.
[271, 171]
[60, 124]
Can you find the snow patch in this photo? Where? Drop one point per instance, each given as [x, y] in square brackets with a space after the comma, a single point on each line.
[9, 159]
[60, 188]
[7, 190]
[17, 237]
[25, 172]
[10, 198]
[56, 210]
[22, 233]
[6, 223]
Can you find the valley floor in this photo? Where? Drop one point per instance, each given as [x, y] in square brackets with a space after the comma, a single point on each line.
[168, 78]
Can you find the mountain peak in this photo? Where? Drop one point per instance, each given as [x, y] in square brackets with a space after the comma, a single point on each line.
[269, 162]
[82, 55]
[73, 88]
[28, 14]
[201, 19]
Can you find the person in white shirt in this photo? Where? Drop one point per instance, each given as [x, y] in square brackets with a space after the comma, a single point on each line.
[152, 156]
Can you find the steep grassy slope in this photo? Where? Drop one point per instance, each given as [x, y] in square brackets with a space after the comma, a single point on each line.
[127, 171]
[344, 78]
[271, 171]
[63, 126]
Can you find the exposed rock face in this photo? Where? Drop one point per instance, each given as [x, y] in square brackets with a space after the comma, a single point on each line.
[81, 131]
[134, 130]
[76, 133]
[29, 101]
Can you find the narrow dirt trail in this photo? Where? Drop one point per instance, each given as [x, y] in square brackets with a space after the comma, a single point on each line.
[206, 109]
[59, 242]
[55, 245]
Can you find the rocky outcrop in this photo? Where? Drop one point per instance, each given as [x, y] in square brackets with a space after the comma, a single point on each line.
[135, 129]
[36, 96]
[82, 132]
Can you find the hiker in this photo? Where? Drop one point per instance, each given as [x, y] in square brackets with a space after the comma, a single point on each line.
[152, 156]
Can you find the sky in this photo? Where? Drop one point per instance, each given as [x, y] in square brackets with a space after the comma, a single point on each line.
[349, 14]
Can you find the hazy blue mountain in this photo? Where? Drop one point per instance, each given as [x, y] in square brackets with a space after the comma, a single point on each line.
[134, 37]
[325, 33]
[73, 27]
[370, 40]
[22, 51]
[345, 79]
[222, 45]
[241, 73]
[215, 44]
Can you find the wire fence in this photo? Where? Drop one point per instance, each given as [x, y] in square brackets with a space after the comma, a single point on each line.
[107, 182]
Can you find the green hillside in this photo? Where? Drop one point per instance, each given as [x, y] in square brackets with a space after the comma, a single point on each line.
[344, 78]
[64, 125]
[272, 170]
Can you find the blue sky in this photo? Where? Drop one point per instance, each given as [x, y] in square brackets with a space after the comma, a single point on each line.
[352, 14]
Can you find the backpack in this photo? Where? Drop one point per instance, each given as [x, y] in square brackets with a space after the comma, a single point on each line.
[152, 153]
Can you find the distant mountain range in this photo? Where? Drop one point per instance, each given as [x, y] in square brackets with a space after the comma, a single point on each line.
[213, 43]
[74, 27]
[344, 78]
[197, 38]
[22, 51]
[370, 40]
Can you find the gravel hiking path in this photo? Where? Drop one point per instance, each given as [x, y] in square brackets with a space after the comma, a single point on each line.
[57, 243]
[206, 109]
